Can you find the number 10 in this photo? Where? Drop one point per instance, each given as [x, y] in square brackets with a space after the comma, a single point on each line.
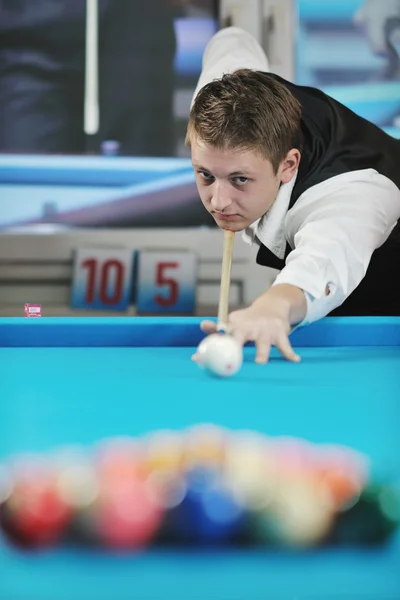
[99, 276]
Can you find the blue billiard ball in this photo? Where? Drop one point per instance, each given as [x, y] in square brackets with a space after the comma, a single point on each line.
[208, 512]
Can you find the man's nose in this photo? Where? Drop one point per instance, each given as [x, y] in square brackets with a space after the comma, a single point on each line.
[221, 197]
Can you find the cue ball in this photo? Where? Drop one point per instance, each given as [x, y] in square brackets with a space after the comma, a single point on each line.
[220, 354]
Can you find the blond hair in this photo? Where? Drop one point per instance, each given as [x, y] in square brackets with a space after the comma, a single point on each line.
[247, 110]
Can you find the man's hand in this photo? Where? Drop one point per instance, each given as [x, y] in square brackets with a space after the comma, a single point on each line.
[267, 322]
[262, 328]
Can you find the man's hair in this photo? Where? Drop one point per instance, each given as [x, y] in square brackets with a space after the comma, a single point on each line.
[247, 110]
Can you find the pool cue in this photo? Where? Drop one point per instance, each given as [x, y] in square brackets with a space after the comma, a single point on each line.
[91, 103]
[223, 306]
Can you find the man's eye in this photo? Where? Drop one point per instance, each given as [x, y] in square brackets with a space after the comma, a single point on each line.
[206, 176]
[241, 180]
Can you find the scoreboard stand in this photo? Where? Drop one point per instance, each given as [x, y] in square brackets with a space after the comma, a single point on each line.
[154, 281]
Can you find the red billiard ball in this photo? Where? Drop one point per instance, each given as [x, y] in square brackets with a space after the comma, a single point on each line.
[35, 514]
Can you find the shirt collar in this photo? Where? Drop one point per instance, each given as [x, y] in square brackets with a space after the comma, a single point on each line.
[270, 228]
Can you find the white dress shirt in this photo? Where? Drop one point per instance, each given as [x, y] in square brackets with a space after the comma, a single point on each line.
[333, 228]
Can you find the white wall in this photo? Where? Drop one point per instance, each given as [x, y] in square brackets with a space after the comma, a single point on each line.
[37, 267]
[273, 23]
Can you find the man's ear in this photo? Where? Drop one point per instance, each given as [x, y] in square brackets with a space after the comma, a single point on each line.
[289, 165]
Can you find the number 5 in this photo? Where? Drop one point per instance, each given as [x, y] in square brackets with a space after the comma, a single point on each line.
[173, 285]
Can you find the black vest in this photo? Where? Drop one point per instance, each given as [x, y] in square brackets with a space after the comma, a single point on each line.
[335, 141]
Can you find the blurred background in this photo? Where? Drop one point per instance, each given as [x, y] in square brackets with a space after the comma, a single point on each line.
[94, 101]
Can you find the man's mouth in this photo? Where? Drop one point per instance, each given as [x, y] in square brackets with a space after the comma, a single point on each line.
[224, 217]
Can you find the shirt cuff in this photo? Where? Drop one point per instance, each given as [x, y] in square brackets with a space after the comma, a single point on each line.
[318, 308]
[319, 303]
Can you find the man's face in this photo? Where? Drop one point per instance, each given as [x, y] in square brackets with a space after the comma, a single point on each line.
[237, 187]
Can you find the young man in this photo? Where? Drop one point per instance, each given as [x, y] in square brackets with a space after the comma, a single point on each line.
[310, 182]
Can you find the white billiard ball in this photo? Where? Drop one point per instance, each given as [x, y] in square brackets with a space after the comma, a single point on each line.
[220, 354]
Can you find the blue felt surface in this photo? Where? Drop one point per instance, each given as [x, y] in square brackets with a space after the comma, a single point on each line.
[346, 575]
[65, 395]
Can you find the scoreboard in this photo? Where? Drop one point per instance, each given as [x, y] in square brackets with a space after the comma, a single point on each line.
[154, 281]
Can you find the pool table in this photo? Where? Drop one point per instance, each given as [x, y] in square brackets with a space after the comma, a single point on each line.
[101, 191]
[78, 380]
